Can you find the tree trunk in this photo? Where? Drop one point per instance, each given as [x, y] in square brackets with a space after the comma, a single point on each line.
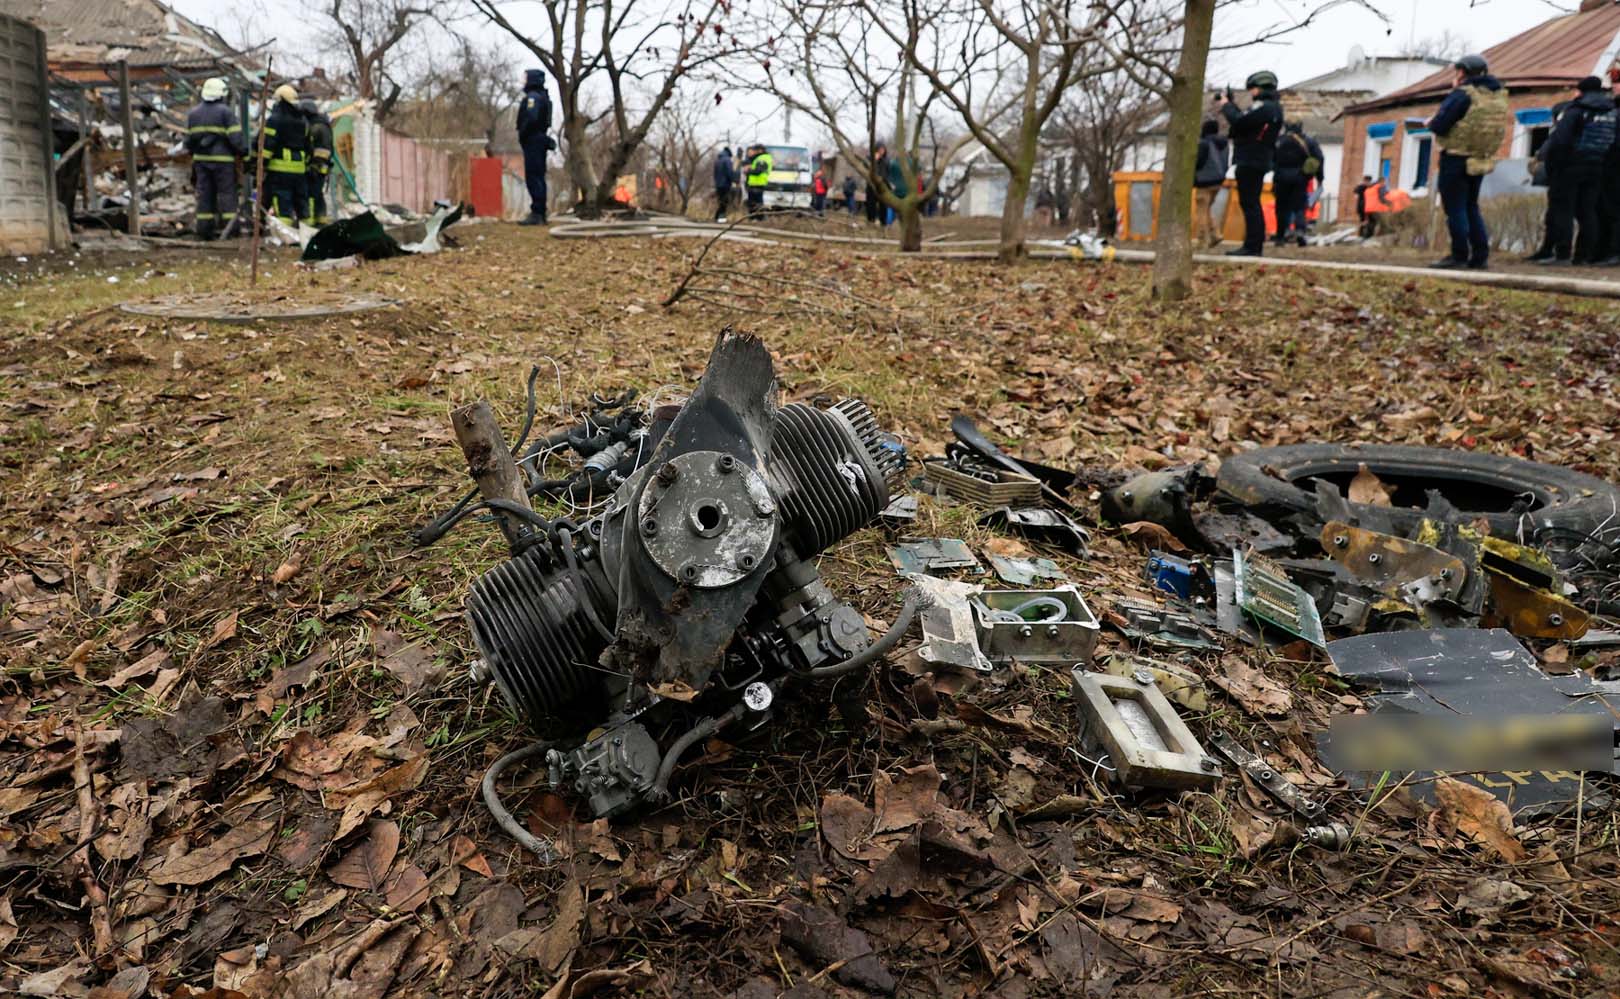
[910, 212]
[578, 164]
[1012, 211]
[1173, 261]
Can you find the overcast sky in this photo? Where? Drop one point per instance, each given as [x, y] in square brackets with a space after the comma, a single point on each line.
[1322, 45]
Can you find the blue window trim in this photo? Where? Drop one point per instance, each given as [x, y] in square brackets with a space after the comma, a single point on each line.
[1381, 132]
[1531, 117]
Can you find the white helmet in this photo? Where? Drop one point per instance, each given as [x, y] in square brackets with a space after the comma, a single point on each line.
[215, 89]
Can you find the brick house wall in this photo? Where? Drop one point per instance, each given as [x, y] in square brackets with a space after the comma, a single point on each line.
[1356, 125]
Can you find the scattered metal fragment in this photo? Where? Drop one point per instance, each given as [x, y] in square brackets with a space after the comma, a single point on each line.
[1265, 775]
[932, 555]
[1266, 594]
[1053, 527]
[1597, 640]
[1026, 571]
[950, 637]
[1038, 626]
[1471, 673]
[1163, 628]
[974, 439]
[1525, 597]
[1418, 573]
[1223, 530]
[981, 485]
[1228, 616]
[1164, 498]
[1333, 836]
[1179, 577]
[900, 512]
[1146, 742]
[1178, 683]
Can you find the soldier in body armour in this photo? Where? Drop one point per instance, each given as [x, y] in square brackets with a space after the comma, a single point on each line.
[1471, 124]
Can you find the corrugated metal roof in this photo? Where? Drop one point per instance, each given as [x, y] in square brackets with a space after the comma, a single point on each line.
[146, 32]
[1553, 54]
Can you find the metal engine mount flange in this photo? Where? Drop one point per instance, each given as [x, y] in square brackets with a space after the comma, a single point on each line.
[707, 519]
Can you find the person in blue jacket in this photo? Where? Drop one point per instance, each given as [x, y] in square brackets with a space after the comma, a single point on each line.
[533, 128]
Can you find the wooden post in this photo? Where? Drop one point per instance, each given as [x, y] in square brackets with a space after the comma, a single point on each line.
[258, 182]
[127, 106]
[88, 164]
[489, 459]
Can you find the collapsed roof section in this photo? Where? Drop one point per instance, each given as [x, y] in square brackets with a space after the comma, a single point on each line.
[84, 37]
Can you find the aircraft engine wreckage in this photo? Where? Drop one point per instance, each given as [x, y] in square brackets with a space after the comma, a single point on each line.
[690, 601]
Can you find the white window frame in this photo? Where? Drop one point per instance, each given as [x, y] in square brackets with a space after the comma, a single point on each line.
[1411, 141]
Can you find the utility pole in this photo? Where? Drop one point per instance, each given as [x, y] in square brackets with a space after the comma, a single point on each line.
[129, 148]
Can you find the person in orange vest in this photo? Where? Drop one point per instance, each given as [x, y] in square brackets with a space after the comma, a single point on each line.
[818, 191]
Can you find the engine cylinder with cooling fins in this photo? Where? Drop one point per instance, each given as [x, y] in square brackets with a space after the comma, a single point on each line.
[829, 472]
[831, 482]
[529, 625]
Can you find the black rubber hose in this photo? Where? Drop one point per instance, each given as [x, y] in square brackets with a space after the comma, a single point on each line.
[503, 818]
[702, 730]
[528, 412]
[915, 601]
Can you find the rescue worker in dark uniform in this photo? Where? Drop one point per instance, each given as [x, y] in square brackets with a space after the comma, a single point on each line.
[1254, 146]
[286, 155]
[1470, 124]
[1577, 152]
[319, 168]
[533, 128]
[215, 142]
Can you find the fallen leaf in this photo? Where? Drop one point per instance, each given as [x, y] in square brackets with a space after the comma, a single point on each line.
[286, 571]
[1481, 815]
[367, 863]
[224, 631]
[902, 803]
[1368, 489]
[825, 939]
[464, 852]
[554, 945]
[146, 665]
[359, 800]
[1150, 536]
[1258, 693]
[1487, 897]
[205, 863]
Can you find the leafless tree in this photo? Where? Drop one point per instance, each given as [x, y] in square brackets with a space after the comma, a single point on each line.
[1176, 74]
[1448, 45]
[677, 149]
[1102, 116]
[629, 48]
[819, 59]
[464, 92]
[371, 36]
[1003, 66]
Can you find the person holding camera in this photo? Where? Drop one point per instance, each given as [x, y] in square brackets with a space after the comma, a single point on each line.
[1254, 146]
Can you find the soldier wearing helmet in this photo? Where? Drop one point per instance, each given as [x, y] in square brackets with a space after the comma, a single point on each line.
[1470, 124]
[1254, 145]
[215, 141]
